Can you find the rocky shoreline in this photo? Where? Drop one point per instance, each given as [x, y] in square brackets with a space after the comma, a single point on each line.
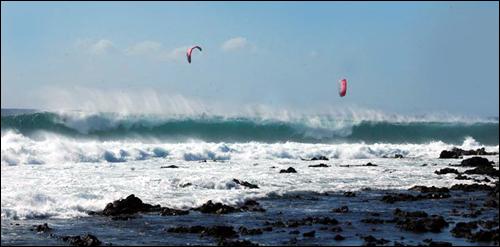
[462, 211]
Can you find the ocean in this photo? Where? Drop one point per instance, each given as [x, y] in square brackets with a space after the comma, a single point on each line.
[56, 167]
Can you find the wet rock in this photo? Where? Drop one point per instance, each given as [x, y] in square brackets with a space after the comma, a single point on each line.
[219, 232]
[128, 206]
[445, 154]
[488, 224]
[446, 171]
[246, 184]
[476, 162]
[484, 170]
[243, 230]
[457, 153]
[464, 229]
[392, 198]
[349, 194]
[471, 187]
[418, 221]
[216, 208]
[172, 212]
[462, 177]
[343, 209]
[172, 166]
[310, 234]
[339, 237]
[398, 197]
[226, 242]
[185, 185]
[321, 157]
[252, 205]
[319, 165]
[485, 236]
[372, 241]
[289, 170]
[432, 189]
[42, 228]
[86, 240]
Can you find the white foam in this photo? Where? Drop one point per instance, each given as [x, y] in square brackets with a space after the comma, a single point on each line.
[60, 177]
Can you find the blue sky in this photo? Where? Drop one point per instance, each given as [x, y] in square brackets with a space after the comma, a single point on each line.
[398, 57]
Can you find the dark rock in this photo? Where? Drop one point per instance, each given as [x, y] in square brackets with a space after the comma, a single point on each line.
[457, 153]
[369, 164]
[463, 229]
[343, 209]
[86, 240]
[418, 221]
[432, 189]
[398, 197]
[172, 166]
[219, 231]
[398, 156]
[320, 165]
[217, 208]
[252, 205]
[349, 194]
[246, 184]
[243, 230]
[42, 228]
[309, 234]
[294, 232]
[372, 241]
[268, 229]
[446, 171]
[425, 224]
[462, 177]
[485, 236]
[392, 198]
[484, 170]
[471, 187]
[448, 155]
[172, 212]
[338, 237]
[476, 162]
[289, 170]
[321, 157]
[127, 206]
[185, 185]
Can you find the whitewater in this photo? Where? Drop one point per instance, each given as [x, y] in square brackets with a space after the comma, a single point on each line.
[63, 165]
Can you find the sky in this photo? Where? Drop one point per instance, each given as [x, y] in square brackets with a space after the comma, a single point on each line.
[398, 57]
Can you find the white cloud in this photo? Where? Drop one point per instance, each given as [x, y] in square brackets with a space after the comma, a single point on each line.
[235, 44]
[101, 46]
[143, 48]
[177, 54]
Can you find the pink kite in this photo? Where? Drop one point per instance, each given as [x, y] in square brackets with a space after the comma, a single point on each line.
[190, 50]
[342, 87]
